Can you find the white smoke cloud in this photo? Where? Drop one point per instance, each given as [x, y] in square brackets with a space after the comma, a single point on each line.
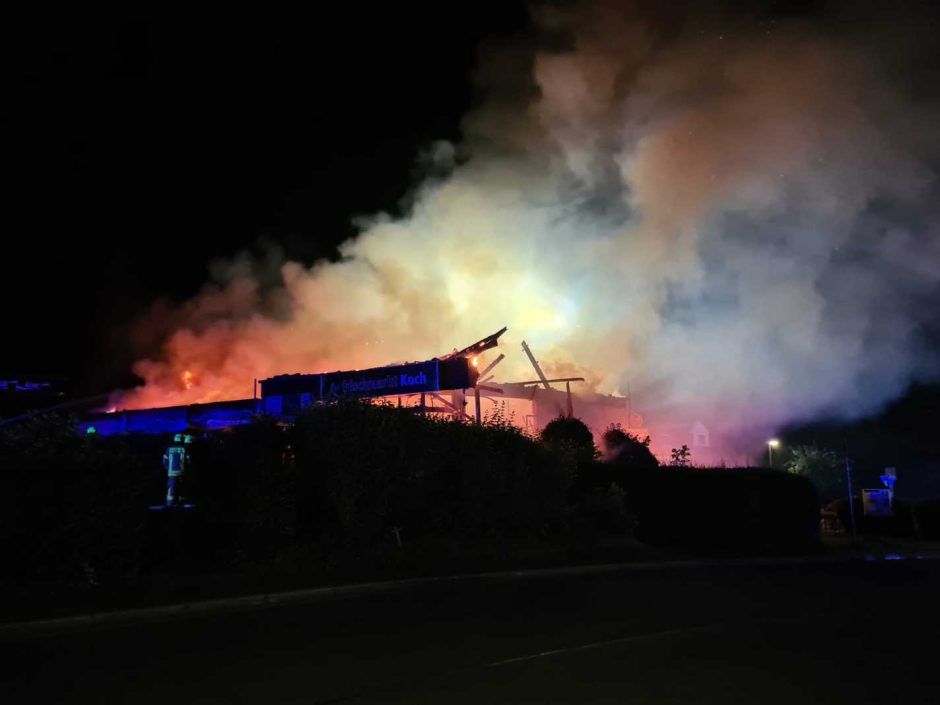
[740, 227]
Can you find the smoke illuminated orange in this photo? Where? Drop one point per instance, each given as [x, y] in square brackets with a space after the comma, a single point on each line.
[686, 221]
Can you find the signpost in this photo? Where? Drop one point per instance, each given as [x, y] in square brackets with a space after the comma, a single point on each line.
[848, 482]
[889, 478]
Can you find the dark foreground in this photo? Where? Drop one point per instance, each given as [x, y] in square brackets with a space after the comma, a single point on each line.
[865, 632]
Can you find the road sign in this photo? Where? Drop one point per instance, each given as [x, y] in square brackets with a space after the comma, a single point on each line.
[889, 478]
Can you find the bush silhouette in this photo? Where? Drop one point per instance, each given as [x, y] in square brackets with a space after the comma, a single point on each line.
[624, 449]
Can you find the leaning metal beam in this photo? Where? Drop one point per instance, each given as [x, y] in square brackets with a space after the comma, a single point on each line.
[493, 364]
[535, 364]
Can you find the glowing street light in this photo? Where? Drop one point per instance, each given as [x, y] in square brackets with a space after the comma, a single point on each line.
[771, 444]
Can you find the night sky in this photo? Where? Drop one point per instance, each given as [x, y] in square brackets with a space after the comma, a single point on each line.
[136, 150]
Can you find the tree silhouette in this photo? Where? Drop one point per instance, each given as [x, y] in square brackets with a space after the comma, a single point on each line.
[569, 432]
[821, 467]
[681, 457]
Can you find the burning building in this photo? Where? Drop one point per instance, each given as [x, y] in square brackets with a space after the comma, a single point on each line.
[451, 385]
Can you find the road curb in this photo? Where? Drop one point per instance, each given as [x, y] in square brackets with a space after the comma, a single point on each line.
[184, 610]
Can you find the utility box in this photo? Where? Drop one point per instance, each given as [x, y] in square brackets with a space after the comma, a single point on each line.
[877, 503]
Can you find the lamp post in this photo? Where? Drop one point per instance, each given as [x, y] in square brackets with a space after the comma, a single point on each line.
[771, 444]
[848, 482]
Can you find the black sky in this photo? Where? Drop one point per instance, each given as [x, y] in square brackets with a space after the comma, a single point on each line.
[136, 150]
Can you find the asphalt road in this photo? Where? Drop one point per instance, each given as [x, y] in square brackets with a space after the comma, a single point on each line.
[835, 633]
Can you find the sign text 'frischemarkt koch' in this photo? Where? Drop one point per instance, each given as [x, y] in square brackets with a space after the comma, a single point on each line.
[285, 393]
[417, 377]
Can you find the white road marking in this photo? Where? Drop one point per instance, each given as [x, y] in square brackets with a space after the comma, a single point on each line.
[608, 642]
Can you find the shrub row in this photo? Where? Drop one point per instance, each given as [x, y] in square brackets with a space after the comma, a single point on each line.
[351, 480]
[729, 510]
[343, 480]
[73, 510]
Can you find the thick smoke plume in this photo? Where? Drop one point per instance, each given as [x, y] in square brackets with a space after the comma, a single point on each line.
[737, 220]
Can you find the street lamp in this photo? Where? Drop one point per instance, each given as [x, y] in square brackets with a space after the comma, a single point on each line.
[771, 444]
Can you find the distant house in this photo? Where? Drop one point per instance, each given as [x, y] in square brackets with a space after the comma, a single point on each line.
[24, 385]
[700, 435]
[20, 393]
